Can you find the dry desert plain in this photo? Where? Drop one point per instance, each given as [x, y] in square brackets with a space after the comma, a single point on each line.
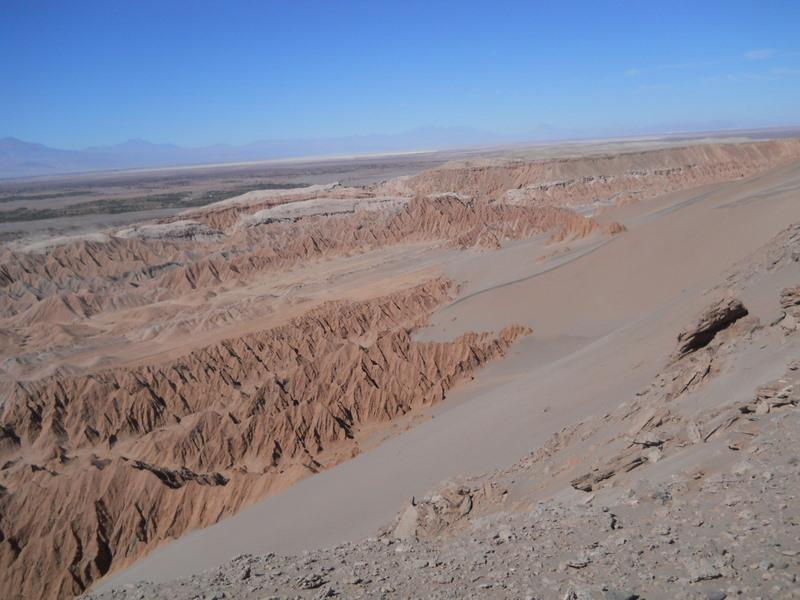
[567, 371]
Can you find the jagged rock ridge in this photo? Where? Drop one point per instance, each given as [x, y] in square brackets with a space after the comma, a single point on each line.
[158, 450]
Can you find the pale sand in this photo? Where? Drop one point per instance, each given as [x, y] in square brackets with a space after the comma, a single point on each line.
[604, 319]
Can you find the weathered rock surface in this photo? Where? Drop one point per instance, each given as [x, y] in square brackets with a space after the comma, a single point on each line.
[713, 320]
[790, 302]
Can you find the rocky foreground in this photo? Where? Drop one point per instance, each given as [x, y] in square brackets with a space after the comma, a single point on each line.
[730, 535]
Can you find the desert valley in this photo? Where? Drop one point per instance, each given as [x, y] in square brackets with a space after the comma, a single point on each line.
[557, 371]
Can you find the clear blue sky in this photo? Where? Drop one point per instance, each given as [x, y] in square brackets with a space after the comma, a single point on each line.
[82, 73]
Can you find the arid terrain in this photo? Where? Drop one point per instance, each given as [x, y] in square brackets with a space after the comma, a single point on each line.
[566, 371]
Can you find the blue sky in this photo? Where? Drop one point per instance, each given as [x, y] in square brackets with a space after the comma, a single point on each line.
[83, 73]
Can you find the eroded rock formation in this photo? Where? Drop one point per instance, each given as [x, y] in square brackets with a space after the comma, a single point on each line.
[608, 178]
[714, 319]
[98, 469]
[89, 275]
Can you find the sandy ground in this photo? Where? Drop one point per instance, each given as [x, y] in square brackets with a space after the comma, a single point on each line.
[604, 316]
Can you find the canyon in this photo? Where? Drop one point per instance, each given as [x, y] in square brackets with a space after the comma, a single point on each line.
[236, 377]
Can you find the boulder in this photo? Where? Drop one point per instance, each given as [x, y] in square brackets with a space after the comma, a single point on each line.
[714, 319]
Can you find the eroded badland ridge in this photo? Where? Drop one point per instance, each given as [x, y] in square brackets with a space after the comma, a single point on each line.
[162, 376]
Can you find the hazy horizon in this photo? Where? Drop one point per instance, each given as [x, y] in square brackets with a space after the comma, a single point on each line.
[493, 137]
[21, 158]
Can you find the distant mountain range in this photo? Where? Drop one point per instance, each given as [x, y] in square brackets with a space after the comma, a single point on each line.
[23, 159]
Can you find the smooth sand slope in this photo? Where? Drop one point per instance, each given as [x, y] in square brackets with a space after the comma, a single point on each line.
[604, 317]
